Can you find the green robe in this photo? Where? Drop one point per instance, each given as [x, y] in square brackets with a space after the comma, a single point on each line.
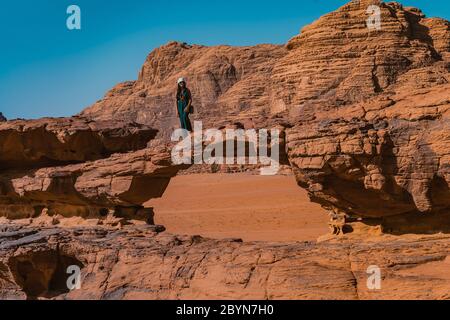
[182, 102]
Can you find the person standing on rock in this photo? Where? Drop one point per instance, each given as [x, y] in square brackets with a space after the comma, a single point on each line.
[184, 104]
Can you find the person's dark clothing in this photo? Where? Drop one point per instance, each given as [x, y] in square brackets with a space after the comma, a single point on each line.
[183, 99]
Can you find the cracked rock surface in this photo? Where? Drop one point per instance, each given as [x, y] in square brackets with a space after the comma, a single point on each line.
[140, 262]
[79, 167]
[366, 111]
[366, 128]
[373, 131]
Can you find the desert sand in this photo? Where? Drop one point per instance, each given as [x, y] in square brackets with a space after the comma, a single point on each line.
[249, 207]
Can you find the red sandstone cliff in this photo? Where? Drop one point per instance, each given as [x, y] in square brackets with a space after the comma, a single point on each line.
[366, 110]
[366, 118]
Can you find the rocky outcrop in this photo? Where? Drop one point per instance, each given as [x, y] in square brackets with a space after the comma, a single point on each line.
[119, 185]
[227, 83]
[366, 110]
[50, 142]
[2, 117]
[142, 263]
[338, 59]
[367, 133]
[376, 143]
[77, 167]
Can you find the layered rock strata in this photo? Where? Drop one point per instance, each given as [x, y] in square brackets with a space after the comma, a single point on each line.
[142, 263]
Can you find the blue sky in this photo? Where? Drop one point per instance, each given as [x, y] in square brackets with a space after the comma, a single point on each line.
[47, 70]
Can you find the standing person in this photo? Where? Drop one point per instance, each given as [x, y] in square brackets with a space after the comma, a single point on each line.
[184, 104]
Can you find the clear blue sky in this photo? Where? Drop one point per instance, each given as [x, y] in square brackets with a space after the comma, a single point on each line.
[46, 70]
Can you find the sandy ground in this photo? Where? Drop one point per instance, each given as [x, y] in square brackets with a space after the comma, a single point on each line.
[250, 207]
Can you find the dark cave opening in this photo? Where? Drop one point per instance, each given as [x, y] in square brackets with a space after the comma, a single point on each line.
[42, 274]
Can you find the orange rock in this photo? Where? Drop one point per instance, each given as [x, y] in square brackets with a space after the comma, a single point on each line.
[367, 110]
[50, 141]
[377, 105]
[366, 117]
[140, 262]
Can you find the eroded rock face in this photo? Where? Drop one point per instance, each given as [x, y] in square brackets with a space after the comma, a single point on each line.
[377, 139]
[366, 111]
[50, 142]
[142, 263]
[120, 184]
[367, 133]
[229, 84]
[338, 59]
[77, 167]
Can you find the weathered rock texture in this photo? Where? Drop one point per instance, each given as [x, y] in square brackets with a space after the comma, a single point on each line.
[366, 111]
[121, 183]
[50, 141]
[229, 85]
[366, 114]
[376, 140]
[141, 263]
[77, 167]
[338, 60]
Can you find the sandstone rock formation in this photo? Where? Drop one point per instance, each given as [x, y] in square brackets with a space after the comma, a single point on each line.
[367, 133]
[366, 110]
[229, 84]
[338, 59]
[75, 167]
[50, 142]
[142, 263]
[377, 136]
[121, 183]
